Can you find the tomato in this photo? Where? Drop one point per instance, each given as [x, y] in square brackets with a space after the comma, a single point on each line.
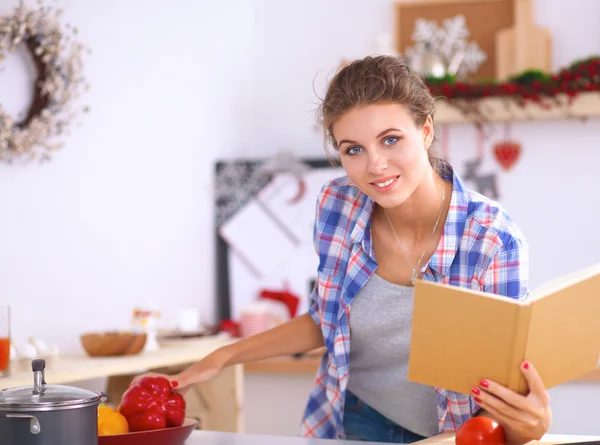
[480, 430]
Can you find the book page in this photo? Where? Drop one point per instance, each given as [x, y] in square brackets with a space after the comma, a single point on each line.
[564, 281]
[564, 333]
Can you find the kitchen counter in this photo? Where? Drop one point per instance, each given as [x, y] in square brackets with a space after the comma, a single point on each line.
[216, 438]
[66, 369]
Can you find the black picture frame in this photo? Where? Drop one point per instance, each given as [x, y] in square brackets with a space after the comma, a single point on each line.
[244, 174]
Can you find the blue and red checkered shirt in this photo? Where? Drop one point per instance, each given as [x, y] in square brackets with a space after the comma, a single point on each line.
[480, 248]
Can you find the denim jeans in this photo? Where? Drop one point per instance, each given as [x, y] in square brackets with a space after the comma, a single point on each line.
[363, 423]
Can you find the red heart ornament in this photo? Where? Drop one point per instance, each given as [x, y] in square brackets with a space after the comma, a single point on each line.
[507, 153]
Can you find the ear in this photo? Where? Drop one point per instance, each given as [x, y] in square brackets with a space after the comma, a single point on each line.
[428, 132]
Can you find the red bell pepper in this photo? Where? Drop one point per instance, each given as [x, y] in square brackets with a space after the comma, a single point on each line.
[152, 404]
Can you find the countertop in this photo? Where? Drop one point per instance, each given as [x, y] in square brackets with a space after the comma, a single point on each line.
[215, 438]
[66, 369]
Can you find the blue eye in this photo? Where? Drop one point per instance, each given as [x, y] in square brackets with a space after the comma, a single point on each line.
[390, 140]
[353, 150]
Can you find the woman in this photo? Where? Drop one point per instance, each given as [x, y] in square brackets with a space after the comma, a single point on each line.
[399, 215]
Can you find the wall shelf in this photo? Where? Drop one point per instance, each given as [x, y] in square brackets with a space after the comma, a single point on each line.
[503, 109]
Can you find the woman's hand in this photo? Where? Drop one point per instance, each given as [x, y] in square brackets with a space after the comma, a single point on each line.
[524, 418]
[206, 369]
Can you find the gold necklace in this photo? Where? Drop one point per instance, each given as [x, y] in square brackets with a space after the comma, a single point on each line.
[413, 278]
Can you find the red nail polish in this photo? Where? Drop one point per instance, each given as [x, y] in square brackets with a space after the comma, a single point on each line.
[477, 400]
[526, 365]
[484, 384]
[476, 391]
[174, 384]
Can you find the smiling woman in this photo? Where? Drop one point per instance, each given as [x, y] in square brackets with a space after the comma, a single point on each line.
[402, 214]
[398, 215]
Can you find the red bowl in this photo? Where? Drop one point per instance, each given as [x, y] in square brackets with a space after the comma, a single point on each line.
[167, 436]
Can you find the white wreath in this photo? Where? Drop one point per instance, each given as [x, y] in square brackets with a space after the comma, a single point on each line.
[59, 83]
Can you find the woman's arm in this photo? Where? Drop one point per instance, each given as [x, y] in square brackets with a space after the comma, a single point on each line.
[300, 334]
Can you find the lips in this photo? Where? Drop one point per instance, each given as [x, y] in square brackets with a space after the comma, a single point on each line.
[385, 184]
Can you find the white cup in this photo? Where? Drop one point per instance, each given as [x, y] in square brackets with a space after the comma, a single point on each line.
[188, 320]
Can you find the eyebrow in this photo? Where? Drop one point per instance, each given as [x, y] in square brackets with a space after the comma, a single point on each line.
[384, 132]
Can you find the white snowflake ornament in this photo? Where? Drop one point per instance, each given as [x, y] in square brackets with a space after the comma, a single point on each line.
[449, 42]
[425, 31]
[473, 57]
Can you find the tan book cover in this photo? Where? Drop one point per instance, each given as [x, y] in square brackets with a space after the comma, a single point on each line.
[460, 336]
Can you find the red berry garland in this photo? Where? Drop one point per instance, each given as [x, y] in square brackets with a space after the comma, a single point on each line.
[531, 86]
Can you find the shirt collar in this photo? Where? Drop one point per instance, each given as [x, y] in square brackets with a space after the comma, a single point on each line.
[442, 258]
[363, 222]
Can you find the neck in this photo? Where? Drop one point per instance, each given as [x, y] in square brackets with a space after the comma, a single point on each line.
[416, 217]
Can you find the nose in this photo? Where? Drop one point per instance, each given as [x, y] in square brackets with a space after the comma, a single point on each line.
[377, 162]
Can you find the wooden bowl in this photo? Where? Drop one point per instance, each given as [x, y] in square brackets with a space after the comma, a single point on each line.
[107, 344]
[168, 436]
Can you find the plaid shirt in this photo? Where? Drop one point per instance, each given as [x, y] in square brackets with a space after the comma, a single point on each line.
[480, 248]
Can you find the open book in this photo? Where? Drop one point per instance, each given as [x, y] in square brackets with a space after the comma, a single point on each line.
[460, 336]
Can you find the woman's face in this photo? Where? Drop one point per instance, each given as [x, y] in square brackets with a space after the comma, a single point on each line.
[382, 151]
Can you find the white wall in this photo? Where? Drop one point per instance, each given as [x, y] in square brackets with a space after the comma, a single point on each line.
[124, 214]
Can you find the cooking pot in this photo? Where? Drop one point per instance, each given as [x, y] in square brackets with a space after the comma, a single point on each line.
[45, 414]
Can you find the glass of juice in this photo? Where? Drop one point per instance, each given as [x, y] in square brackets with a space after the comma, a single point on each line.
[4, 340]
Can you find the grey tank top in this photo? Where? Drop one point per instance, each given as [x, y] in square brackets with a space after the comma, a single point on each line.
[380, 329]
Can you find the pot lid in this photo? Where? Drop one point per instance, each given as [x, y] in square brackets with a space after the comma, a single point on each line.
[42, 396]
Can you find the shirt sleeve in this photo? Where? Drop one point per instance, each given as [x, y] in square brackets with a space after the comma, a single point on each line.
[314, 300]
[508, 272]
[313, 309]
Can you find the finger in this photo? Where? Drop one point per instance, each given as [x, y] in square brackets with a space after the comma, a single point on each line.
[175, 381]
[502, 392]
[497, 407]
[534, 381]
[138, 378]
[499, 417]
[182, 380]
[191, 376]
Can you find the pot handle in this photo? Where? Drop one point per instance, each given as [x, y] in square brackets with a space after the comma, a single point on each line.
[34, 424]
[103, 397]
